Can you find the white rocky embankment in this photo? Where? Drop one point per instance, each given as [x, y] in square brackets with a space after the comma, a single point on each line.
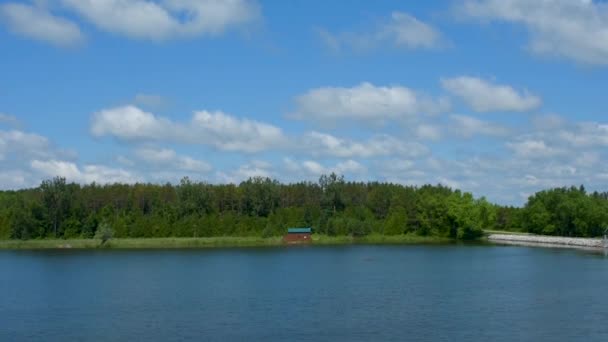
[546, 240]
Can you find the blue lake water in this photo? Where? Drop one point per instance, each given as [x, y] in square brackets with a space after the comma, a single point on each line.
[347, 293]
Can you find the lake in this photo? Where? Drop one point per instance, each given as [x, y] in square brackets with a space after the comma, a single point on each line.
[343, 293]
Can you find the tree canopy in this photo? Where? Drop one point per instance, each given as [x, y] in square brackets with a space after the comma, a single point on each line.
[265, 207]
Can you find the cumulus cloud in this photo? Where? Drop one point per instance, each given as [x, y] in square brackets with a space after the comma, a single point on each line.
[217, 129]
[573, 29]
[400, 30]
[169, 159]
[364, 102]
[151, 20]
[322, 144]
[38, 23]
[87, 174]
[484, 96]
[467, 127]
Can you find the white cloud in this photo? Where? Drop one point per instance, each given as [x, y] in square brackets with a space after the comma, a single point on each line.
[364, 102]
[169, 159]
[573, 29]
[428, 132]
[21, 144]
[246, 171]
[533, 149]
[233, 134]
[38, 23]
[14, 179]
[449, 182]
[585, 134]
[398, 165]
[467, 127]
[217, 129]
[588, 158]
[484, 96]
[314, 167]
[401, 30]
[547, 122]
[87, 174]
[410, 32]
[322, 144]
[130, 122]
[144, 19]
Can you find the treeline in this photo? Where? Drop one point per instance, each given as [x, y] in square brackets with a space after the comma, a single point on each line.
[264, 207]
[566, 212]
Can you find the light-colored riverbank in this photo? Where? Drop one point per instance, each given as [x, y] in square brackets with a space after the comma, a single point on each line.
[546, 241]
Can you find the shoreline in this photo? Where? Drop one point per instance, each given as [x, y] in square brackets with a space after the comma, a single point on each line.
[213, 242]
[317, 240]
[545, 241]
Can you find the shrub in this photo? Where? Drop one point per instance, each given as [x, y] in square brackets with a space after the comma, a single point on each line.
[104, 233]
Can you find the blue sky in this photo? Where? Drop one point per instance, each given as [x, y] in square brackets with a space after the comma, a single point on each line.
[497, 97]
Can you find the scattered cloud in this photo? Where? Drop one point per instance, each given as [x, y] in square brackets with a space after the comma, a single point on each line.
[550, 121]
[572, 29]
[252, 169]
[428, 132]
[365, 103]
[158, 21]
[585, 134]
[14, 179]
[400, 30]
[22, 144]
[38, 23]
[169, 159]
[217, 129]
[467, 127]
[313, 168]
[484, 96]
[87, 174]
[533, 149]
[322, 144]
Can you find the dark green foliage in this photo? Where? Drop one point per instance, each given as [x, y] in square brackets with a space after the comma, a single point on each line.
[263, 207]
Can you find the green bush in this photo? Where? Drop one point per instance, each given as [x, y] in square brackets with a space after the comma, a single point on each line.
[104, 233]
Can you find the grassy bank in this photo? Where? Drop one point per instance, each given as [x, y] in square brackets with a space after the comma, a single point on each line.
[379, 239]
[148, 243]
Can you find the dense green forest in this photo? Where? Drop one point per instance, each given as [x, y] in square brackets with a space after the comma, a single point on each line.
[264, 207]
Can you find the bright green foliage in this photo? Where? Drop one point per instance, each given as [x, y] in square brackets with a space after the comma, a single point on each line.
[566, 212]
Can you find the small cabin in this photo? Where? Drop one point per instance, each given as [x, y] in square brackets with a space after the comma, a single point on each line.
[298, 235]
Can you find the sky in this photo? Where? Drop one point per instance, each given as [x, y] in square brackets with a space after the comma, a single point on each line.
[501, 98]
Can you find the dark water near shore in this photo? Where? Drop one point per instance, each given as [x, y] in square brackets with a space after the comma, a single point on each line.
[348, 293]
